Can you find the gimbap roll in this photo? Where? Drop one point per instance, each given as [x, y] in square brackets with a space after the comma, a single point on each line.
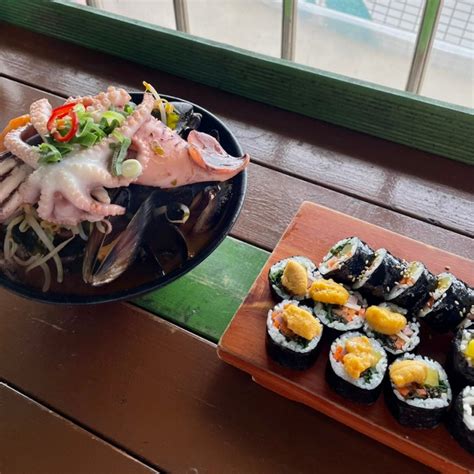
[388, 324]
[356, 367]
[290, 278]
[463, 355]
[337, 307]
[448, 304]
[380, 276]
[412, 291]
[293, 334]
[462, 419]
[345, 260]
[419, 391]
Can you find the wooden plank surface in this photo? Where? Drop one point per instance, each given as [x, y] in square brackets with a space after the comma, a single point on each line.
[35, 440]
[163, 393]
[420, 122]
[390, 175]
[243, 343]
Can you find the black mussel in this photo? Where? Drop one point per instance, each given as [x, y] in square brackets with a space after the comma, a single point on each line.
[207, 208]
[166, 244]
[112, 249]
[187, 119]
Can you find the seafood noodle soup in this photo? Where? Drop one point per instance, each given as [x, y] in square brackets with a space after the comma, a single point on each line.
[106, 198]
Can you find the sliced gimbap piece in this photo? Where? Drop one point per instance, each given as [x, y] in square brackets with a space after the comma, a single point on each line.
[462, 419]
[290, 278]
[388, 324]
[336, 307]
[419, 393]
[381, 275]
[356, 367]
[448, 304]
[293, 334]
[345, 261]
[412, 291]
[463, 355]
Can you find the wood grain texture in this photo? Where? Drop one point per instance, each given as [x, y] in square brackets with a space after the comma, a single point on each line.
[312, 232]
[162, 392]
[388, 113]
[396, 177]
[35, 440]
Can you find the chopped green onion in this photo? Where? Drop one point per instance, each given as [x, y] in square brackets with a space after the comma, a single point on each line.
[129, 108]
[120, 152]
[173, 119]
[49, 154]
[131, 169]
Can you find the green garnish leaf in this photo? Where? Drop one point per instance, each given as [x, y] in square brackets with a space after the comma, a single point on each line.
[49, 154]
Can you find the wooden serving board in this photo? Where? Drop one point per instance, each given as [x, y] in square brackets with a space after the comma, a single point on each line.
[312, 232]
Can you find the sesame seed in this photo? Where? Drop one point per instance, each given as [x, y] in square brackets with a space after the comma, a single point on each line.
[456, 302]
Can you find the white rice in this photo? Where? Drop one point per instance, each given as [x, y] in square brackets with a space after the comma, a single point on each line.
[340, 371]
[442, 402]
[367, 273]
[438, 294]
[468, 407]
[280, 339]
[310, 271]
[415, 270]
[356, 323]
[323, 268]
[467, 335]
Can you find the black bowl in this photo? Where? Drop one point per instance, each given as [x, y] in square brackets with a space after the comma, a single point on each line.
[233, 206]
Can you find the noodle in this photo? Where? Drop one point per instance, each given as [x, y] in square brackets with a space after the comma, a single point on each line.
[47, 277]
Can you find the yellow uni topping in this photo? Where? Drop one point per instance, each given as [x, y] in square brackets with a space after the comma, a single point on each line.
[359, 356]
[355, 364]
[295, 278]
[301, 322]
[385, 321]
[405, 372]
[469, 352]
[328, 291]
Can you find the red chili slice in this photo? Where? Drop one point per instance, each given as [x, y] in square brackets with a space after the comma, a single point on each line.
[65, 110]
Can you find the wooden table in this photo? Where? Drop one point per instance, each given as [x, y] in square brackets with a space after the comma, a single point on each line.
[117, 388]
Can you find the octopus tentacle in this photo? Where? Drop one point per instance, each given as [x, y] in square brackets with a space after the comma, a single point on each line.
[15, 143]
[73, 190]
[40, 112]
[116, 97]
[11, 179]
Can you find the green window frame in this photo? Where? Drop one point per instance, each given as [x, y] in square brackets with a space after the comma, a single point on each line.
[403, 117]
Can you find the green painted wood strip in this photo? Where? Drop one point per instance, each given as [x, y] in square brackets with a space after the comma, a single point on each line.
[205, 299]
[423, 123]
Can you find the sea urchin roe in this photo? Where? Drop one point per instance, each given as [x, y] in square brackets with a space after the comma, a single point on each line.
[385, 321]
[405, 372]
[469, 352]
[355, 364]
[360, 356]
[295, 278]
[301, 322]
[328, 291]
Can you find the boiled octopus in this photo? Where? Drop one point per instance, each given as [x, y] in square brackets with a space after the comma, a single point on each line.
[75, 189]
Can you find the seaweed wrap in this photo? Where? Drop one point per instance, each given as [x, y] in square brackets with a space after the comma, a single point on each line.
[413, 290]
[463, 355]
[448, 304]
[356, 367]
[461, 422]
[293, 335]
[381, 275]
[388, 324]
[338, 308]
[291, 277]
[346, 260]
[419, 392]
